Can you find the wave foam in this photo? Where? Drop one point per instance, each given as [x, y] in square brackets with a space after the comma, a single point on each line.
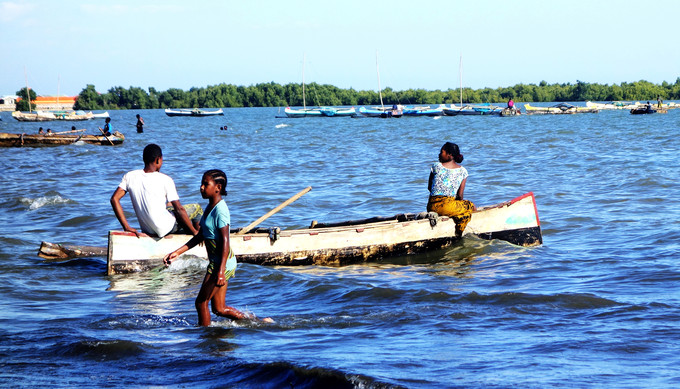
[40, 202]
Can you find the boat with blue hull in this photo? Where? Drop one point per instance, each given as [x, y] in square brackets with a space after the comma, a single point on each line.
[423, 111]
[473, 110]
[381, 112]
[338, 111]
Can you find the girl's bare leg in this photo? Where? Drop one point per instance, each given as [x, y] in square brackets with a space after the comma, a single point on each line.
[203, 299]
[219, 306]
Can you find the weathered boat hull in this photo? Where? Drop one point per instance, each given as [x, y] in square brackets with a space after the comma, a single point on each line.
[193, 112]
[22, 140]
[472, 111]
[423, 111]
[615, 105]
[560, 109]
[338, 112]
[380, 113]
[302, 113]
[344, 243]
[50, 116]
[645, 110]
[510, 112]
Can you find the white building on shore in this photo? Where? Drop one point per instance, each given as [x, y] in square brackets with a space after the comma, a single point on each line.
[8, 103]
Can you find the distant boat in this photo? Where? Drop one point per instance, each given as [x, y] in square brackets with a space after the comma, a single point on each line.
[102, 115]
[476, 110]
[423, 110]
[510, 112]
[381, 112]
[302, 113]
[23, 140]
[613, 105]
[192, 112]
[558, 109]
[647, 109]
[44, 116]
[338, 111]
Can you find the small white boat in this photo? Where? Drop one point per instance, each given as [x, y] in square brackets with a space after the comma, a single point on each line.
[192, 112]
[44, 116]
[302, 113]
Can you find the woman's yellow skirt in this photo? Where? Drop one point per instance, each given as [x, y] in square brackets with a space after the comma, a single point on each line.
[458, 210]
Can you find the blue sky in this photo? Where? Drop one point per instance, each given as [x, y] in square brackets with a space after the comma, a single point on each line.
[65, 45]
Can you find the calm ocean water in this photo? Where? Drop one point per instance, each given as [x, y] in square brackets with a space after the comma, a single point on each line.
[598, 305]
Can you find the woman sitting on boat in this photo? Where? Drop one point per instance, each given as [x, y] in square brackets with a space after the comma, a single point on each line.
[447, 185]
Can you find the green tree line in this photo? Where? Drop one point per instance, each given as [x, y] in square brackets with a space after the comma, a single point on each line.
[276, 95]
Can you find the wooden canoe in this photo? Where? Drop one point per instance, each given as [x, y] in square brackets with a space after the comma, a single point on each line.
[19, 140]
[193, 112]
[515, 221]
[46, 116]
[558, 109]
[647, 109]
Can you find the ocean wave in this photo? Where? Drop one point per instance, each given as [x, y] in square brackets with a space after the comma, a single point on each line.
[282, 125]
[102, 350]
[43, 201]
[560, 300]
[288, 375]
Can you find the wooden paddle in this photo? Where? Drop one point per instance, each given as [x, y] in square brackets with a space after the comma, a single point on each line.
[273, 211]
[107, 138]
[261, 219]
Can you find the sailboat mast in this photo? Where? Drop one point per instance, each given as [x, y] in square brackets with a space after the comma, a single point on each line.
[28, 93]
[304, 59]
[378, 71]
[58, 86]
[460, 75]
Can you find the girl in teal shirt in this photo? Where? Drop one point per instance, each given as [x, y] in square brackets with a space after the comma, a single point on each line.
[214, 231]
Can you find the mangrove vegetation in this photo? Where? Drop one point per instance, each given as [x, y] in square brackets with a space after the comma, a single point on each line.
[276, 95]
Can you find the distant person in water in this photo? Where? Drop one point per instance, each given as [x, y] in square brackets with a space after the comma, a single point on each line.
[511, 104]
[140, 124]
[447, 186]
[214, 232]
[150, 192]
[659, 102]
[49, 132]
[41, 131]
[108, 128]
[73, 128]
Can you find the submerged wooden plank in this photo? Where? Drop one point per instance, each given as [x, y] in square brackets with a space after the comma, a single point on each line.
[55, 251]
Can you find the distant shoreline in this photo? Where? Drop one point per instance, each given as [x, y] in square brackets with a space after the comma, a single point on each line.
[277, 95]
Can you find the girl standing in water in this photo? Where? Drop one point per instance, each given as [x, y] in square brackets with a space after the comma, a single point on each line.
[214, 231]
[447, 185]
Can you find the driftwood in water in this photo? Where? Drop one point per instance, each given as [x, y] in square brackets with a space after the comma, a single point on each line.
[56, 251]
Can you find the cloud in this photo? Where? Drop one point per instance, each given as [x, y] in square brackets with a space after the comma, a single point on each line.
[12, 11]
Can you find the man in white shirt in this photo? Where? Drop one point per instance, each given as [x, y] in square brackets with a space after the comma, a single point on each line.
[150, 191]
